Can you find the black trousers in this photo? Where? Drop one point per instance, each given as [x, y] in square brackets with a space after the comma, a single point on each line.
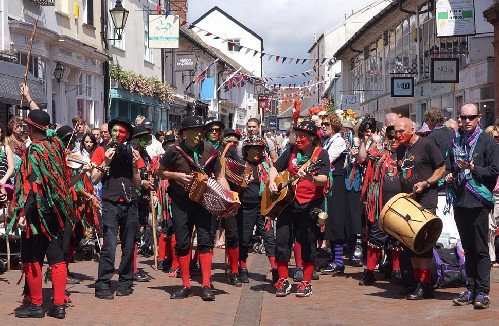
[295, 223]
[125, 217]
[247, 217]
[73, 233]
[186, 214]
[473, 227]
[230, 226]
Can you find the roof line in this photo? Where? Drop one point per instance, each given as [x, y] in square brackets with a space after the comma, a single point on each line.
[216, 8]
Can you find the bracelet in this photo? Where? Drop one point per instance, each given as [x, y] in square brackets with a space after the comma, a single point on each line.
[30, 102]
[90, 198]
[428, 183]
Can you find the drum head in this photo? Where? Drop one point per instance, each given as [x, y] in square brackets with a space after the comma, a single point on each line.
[428, 235]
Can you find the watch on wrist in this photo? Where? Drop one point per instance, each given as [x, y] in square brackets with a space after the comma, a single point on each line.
[428, 184]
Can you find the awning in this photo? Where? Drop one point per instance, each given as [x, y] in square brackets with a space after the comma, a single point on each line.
[11, 77]
[122, 94]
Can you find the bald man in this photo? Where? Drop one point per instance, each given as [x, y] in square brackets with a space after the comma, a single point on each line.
[390, 118]
[475, 168]
[421, 166]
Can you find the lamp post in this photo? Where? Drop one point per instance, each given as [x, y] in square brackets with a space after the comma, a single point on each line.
[119, 16]
[58, 72]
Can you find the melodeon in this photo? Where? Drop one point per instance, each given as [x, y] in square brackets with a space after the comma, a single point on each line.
[235, 172]
[213, 196]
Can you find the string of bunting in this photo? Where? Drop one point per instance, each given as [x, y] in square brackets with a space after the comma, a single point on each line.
[248, 51]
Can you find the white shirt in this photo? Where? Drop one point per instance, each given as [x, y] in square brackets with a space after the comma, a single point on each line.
[335, 145]
[155, 149]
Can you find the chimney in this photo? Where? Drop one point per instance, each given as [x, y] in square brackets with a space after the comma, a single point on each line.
[180, 8]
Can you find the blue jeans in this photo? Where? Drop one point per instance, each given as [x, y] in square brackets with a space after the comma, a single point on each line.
[124, 216]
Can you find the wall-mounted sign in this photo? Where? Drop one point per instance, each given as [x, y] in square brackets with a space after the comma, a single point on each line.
[350, 101]
[444, 70]
[163, 32]
[185, 61]
[263, 101]
[402, 87]
[455, 18]
[272, 122]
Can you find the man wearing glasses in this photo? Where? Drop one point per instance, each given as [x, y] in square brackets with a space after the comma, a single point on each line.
[474, 169]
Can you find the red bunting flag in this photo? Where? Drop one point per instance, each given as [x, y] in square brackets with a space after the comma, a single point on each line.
[183, 23]
[254, 53]
[158, 9]
[277, 58]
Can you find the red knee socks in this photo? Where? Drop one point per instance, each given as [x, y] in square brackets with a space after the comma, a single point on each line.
[396, 260]
[162, 246]
[185, 262]
[272, 262]
[33, 273]
[372, 258]
[59, 273]
[297, 253]
[242, 263]
[233, 259]
[205, 262]
[282, 269]
[308, 270]
[425, 275]
[136, 247]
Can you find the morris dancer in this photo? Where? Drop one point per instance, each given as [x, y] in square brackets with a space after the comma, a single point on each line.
[249, 212]
[475, 166]
[43, 202]
[298, 219]
[186, 213]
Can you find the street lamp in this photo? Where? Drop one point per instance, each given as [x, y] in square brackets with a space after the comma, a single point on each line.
[119, 16]
[58, 72]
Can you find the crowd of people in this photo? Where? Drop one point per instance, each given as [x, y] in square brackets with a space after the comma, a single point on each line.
[67, 183]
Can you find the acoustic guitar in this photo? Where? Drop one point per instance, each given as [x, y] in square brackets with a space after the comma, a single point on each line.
[274, 203]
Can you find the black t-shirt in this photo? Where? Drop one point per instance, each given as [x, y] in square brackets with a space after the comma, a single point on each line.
[282, 162]
[417, 163]
[251, 195]
[391, 179]
[443, 136]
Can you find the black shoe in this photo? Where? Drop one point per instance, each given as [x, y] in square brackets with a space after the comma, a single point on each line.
[275, 276]
[243, 275]
[408, 289]
[105, 294]
[141, 277]
[333, 269]
[324, 253]
[233, 279]
[368, 278]
[423, 291]
[58, 312]
[30, 311]
[396, 277]
[183, 293]
[124, 292]
[207, 294]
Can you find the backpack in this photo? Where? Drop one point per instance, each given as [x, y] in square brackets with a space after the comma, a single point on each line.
[146, 245]
[448, 269]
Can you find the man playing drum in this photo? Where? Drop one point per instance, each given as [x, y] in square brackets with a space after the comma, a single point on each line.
[475, 166]
[421, 166]
[185, 213]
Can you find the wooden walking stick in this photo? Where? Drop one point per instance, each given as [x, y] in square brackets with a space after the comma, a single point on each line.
[153, 226]
[30, 46]
[7, 244]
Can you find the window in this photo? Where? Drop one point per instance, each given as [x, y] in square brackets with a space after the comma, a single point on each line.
[62, 6]
[120, 44]
[36, 65]
[88, 12]
[234, 45]
[147, 50]
[85, 82]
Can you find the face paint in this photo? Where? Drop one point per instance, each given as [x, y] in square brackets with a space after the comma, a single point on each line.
[303, 140]
[119, 134]
[145, 141]
[213, 135]
[254, 153]
[404, 138]
[193, 135]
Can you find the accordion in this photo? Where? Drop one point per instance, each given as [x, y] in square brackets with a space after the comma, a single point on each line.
[236, 173]
[213, 196]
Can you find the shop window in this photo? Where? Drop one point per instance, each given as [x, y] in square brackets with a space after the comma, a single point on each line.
[147, 50]
[487, 93]
[488, 114]
[36, 65]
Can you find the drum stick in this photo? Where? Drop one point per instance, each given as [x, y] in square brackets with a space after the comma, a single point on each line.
[153, 226]
[7, 244]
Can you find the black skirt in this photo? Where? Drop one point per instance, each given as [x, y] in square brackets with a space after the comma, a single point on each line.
[337, 226]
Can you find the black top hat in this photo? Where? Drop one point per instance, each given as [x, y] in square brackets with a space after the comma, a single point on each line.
[122, 121]
[169, 139]
[191, 122]
[308, 127]
[64, 132]
[147, 123]
[38, 119]
[140, 130]
[232, 132]
[214, 121]
[254, 141]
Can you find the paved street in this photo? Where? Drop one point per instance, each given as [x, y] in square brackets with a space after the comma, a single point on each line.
[336, 301]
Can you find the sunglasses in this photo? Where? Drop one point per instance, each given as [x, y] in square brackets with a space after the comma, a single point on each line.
[325, 124]
[469, 117]
[214, 130]
[391, 135]
[231, 141]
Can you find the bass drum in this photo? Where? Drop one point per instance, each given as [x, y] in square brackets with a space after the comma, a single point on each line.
[417, 228]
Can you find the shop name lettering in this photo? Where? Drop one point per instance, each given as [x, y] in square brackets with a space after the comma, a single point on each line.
[185, 62]
[445, 70]
[35, 42]
[403, 86]
[163, 38]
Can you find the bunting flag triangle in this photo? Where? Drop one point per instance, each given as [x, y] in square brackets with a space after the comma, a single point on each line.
[270, 57]
[208, 34]
[158, 9]
[216, 38]
[262, 54]
[277, 58]
[303, 61]
[254, 53]
[297, 60]
[247, 51]
[323, 60]
[183, 23]
[290, 60]
[191, 26]
[284, 59]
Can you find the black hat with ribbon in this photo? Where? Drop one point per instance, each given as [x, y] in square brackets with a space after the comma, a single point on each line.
[170, 138]
[214, 121]
[122, 121]
[38, 119]
[64, 132]
[191, 122]
[140, 130]
[231, 132]
[308, 127]
[254, 141]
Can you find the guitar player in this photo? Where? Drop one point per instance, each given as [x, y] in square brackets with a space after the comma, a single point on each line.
[298, 220]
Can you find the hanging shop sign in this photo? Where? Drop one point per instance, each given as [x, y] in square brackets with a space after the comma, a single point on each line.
[444, 70]
[163, 32]
[402, 87]
[185, 61]
[263, 101]
[455, 18]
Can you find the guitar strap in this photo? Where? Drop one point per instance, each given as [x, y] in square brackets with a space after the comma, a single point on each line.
[313, 159]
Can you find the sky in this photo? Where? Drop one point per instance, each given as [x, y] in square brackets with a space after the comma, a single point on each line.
[286, 26]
